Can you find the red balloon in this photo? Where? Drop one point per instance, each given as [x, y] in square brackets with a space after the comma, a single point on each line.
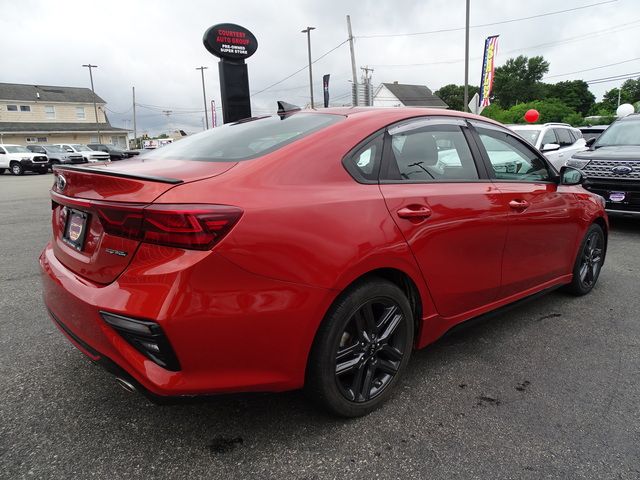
[532, 115]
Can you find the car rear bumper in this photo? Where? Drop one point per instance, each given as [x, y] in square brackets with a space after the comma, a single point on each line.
[231, 330]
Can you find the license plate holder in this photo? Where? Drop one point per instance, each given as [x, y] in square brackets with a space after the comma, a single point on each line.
[75, 230]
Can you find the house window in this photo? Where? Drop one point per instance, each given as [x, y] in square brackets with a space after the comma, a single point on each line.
[94, 139]
[25, 108]
[36, 140]
[80, 113]
[50, 112]
[12, 108]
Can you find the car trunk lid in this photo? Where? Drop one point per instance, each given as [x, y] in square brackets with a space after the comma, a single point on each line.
[90, 202]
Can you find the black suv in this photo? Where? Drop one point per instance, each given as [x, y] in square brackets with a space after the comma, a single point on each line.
[114, 152]
[57, 155]
[612, 166]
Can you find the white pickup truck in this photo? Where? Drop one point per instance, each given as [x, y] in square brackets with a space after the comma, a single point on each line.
[88, 154]
[19, 159]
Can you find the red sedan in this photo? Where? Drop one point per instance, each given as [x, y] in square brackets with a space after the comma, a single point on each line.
[310, 249]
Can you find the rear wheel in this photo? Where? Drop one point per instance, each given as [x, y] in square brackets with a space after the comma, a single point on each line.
[16, 168]
[589, 262]
[361, 349]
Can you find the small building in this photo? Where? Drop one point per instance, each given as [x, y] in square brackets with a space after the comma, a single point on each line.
[46, 114]
[400, 95]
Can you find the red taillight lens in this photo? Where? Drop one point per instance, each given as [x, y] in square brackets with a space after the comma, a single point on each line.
[196, 227]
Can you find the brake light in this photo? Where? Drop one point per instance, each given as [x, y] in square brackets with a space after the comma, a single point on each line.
[196, 227]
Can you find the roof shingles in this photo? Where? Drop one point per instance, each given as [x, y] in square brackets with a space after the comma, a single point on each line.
[30, 93]
[415, 95]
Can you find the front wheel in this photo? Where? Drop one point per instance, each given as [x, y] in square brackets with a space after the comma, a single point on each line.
[361, 349]
[587, 267]
[16, 168]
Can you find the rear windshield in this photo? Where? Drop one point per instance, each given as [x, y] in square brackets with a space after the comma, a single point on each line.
[246, 139]
[620, 133]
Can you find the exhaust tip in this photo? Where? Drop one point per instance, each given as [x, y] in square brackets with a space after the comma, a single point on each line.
[126, 385]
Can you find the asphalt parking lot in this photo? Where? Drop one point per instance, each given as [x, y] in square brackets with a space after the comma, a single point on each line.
[548, 390]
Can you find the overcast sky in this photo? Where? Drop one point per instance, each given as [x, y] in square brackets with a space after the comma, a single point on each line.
[156, 46]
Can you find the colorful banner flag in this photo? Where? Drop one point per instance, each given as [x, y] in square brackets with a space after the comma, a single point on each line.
[486, 83]
[325, 88]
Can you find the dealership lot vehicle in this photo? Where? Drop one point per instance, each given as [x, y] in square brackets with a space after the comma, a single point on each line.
[557, 141]
[57, 155]
[328, 217]
[88, 154]
[612, 166]
[592, 132]
[18, 159]
[115, 153]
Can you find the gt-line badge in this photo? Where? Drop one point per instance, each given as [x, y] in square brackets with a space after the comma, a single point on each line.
[120, 253]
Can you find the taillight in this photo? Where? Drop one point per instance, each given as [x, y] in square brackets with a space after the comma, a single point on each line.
[196, 227]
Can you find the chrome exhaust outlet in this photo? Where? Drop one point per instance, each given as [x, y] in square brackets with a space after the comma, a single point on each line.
[126, 385]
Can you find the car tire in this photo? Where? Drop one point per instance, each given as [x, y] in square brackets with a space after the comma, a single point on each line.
[361, 348]
[16, 168]
[2, 171]
[588, 264]
[53, 164]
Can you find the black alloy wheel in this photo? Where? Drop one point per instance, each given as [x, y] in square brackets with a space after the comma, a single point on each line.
[370, 350]
[361, 348]
[589, 262]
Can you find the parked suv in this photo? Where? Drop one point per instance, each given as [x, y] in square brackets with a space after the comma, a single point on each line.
[19, 159]
[557, 141]
[114, 152]
[57, 155]
[612, 166]
[88, 154]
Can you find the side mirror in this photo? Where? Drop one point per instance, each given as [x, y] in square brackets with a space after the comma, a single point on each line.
[550, 147]
[571, 176]
[590, 142]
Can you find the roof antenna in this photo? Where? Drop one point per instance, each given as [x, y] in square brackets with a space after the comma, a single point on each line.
[285, 108]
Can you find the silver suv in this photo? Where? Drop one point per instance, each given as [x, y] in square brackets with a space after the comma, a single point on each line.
[557, 141]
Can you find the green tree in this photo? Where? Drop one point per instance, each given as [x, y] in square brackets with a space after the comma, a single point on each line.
[551, 110]
[630, 93]
[453, 95]
[574, 93]
[518, 80]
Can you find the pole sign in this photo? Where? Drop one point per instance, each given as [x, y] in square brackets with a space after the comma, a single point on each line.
[486, 82]
[230, 41]
[232, 44]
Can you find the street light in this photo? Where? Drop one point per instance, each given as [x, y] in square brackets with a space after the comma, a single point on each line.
[95, 108]
[204, 95]
[308, 32]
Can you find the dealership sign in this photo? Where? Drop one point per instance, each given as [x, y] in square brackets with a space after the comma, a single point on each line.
[230, 41]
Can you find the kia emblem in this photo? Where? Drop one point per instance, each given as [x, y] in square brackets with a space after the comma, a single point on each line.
[61, 182]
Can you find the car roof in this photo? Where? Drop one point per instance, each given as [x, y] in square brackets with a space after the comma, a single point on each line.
[521, 126]
[634, 117]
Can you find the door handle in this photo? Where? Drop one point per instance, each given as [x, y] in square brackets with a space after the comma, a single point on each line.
[415, 212]
[519, 205]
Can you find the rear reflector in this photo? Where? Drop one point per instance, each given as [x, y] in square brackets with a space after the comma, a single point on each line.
[196, 227]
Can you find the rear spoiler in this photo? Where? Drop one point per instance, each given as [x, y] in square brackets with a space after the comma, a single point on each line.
[111, 173]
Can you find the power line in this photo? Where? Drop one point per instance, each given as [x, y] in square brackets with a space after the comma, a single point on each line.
[614, 29]
[615, 78]
[593, 68]
[299, 70]
[457, 29]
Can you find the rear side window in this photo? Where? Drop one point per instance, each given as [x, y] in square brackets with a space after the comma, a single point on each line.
[364, 163]
[434, 153]
[246, 139]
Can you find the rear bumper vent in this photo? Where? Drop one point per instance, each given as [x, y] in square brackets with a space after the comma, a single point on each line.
[146, 337]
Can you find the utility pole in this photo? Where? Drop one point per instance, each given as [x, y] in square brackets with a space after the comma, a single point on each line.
[354, 75]
[204, 96]
[619, 92]
[466, 61]
[95, 108]
[308, 32]
[135, 132]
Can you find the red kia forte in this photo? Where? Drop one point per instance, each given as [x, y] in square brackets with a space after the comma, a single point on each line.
[309, 249]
